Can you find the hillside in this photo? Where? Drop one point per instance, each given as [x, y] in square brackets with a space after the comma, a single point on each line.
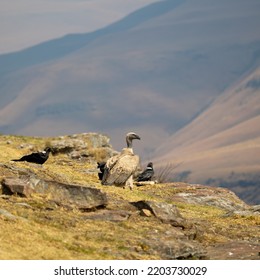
[151, 72]
[221, 144]
[61, 211]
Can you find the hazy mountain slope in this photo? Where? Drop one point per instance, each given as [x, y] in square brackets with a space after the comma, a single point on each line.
[60, 47]
[152, 73]
[224, 139]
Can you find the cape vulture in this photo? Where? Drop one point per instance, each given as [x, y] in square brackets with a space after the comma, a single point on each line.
[119, 169]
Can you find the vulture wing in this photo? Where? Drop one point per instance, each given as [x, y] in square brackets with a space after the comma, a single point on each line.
[119, 169]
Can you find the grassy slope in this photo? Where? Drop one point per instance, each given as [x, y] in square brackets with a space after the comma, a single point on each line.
[45, 231]
[225, 138]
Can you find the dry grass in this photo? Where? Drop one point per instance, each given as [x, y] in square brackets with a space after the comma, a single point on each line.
[43, 230]
[165, 173]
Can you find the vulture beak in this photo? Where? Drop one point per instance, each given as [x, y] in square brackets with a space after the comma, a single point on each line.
[137, 137]
[132, 135]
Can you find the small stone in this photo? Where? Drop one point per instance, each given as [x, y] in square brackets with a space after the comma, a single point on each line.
[146, 213]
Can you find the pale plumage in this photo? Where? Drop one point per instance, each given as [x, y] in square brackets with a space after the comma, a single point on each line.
[119, 169]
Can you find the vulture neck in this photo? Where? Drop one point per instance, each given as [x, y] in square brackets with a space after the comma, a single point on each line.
[129, 145]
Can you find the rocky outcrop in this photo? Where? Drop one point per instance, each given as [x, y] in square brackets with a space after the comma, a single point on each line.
[67, 145]
[81, 197]
[81, 145]
[206, 195]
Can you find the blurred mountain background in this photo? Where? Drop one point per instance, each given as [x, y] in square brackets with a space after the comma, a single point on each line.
[183, 74]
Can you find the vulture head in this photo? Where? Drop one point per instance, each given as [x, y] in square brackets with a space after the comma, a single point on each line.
[130, 136]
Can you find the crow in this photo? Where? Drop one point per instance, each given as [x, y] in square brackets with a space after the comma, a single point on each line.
[39, 157]
[101, 166]
[147, 174]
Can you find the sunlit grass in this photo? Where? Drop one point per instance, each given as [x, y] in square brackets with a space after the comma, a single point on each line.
[43, 230]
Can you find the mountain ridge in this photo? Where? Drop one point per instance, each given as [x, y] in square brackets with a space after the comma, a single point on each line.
[223, 139]
[153, 72]
[72, 42]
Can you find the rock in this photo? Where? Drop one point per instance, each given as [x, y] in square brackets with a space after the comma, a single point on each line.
[255, 208]
[14, 170]
[85, 145]
[234, 250]
[146, 213]
[67, 145]
[165, 212]
[174, 248]
[242, 213]
[82, 197]
[182, 250]
[79, 142]
[205, 195]
[97, 140]
[109, 215]
[20, 186]
[78, 155]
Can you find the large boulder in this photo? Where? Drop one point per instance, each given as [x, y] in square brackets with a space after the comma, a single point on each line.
[81, 197]
[85, 145]
[67, 145]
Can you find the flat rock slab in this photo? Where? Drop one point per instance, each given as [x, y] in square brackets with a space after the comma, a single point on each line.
[206, 195]
[235, 250]
[82, 197]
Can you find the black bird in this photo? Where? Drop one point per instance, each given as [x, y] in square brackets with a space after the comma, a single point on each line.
[39, 157]
[147, 174]
[101, 166]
